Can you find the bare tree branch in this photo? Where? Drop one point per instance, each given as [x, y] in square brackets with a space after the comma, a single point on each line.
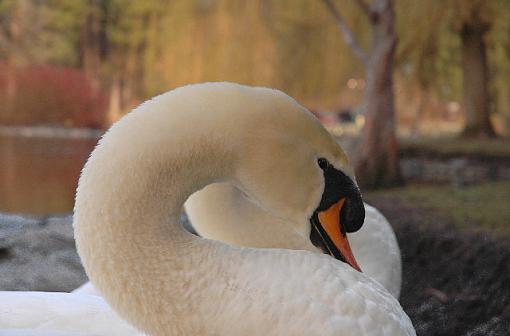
[346, 31]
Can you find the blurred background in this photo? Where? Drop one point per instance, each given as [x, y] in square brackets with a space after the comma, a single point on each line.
[417, 92]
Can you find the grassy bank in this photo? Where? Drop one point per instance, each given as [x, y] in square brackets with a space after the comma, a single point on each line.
[456, 146]
[482, 208]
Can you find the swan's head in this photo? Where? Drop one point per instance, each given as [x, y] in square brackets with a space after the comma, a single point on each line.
[292, 167]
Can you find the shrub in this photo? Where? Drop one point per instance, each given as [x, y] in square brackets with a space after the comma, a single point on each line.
[50, 95]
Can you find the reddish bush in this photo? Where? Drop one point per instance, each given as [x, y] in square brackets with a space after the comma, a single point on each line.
[49, 95]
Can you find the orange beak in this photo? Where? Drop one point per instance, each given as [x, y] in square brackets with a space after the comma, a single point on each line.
[330, 221]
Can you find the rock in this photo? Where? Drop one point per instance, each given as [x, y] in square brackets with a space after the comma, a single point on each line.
[38, 254]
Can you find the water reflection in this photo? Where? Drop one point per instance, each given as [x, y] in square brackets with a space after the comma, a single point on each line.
[39, 175]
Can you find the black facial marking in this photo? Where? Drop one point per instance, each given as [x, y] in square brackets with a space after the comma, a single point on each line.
[337, 186]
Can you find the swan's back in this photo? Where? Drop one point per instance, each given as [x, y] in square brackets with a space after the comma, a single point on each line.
[376, 250]
[222, 212]
[328, 298]
[87, 289]
[63, 313]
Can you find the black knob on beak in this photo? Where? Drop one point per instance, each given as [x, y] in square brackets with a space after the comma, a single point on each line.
[337, 186]
[352, 214]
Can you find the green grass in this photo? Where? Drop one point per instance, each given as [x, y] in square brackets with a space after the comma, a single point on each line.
[484, 207]
[458, 146]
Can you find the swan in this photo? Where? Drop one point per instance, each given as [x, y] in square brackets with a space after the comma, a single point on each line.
[165, 281]
[219, 211]
[222, 212]
[45, 313]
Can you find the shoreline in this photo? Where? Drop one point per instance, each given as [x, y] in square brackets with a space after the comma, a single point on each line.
[51, 132]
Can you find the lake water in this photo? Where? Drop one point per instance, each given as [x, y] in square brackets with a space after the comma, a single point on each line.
[38, 175]
[39, 169]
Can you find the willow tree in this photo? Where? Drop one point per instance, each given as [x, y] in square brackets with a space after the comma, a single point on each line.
[92, 43]
[377, 161]
[34, 32]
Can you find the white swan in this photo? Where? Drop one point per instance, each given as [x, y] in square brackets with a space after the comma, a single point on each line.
[222, 212]
[166, 281]
[45, 313]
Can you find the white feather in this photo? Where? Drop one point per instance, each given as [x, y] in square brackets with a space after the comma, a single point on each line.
[44, 313]
[222, 212]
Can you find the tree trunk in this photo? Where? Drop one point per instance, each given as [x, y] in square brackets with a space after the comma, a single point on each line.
[475, 81]
[93, 41]
[14, 35]
[423, 96]
[377, 161]
[115, 102]
[9, 114]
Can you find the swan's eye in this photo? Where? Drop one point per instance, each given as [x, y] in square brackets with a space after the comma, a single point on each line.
[323, 163]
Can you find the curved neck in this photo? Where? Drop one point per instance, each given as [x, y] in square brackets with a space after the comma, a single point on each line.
[126, 220]
[223, 212]
[131, 191]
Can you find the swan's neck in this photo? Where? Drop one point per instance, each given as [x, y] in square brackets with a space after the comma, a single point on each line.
[223, 212]
[127, 225]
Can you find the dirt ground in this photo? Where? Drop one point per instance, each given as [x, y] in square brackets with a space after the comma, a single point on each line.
[454, 283]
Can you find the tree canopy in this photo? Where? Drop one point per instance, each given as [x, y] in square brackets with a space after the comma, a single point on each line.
[152, 46]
